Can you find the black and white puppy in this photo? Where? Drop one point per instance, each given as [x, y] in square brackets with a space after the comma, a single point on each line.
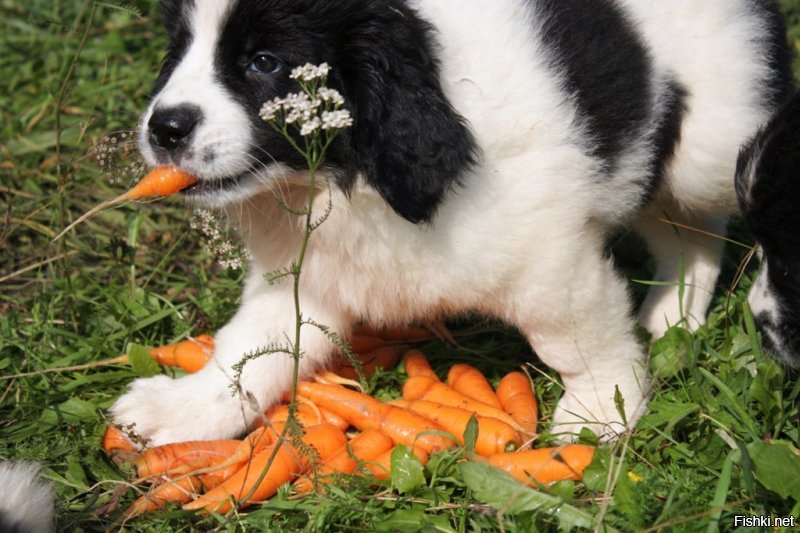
[768, 185]
[496, 144]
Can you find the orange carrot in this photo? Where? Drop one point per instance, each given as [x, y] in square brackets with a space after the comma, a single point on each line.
[161, 181]
[206, 340]
[257, 440]
[469, 380]
[396, 333]
[305, 413]
[167, 355]
[494, 436]
[333, 419]
[115, 440]
[224, 467]
[179, 491]
[164, 355]
[518, 399]
[425, 388]
[382, 357]
[545, 465]
[182, 457]
[416, 364]
[365, 412]
[381, 466]
[288, 462]
[216, 477]
[191, 355]
[364, 447]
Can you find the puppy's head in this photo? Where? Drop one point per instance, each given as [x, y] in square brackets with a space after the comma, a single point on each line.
[768, 187]
[227, 57]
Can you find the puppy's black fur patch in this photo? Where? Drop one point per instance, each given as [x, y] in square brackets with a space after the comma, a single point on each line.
[606, 66]
[408, 138]
[667, 137]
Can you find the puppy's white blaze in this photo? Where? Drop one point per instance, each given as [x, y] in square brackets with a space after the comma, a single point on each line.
[761, 299]
[222, 139]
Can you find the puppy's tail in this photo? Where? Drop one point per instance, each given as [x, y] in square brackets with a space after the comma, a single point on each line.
[26, 502]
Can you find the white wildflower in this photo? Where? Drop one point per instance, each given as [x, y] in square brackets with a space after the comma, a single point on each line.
[338, 119]
[270, 109]
[300, 107]
[309, 72]
[310, 126]
[330, 95]
[218, 240]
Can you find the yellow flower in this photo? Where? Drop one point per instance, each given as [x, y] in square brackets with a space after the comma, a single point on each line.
[634, 477]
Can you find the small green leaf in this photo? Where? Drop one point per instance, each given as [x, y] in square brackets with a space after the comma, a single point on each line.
[662, 412]
[141, 361]
[777, 467]
[498, 489]
[733, 403]
[596, 474]
[626, 500]
[134, 225]
[721, 494]
[619, 402]
[671, 352]
[471, 435]
[407, 472]
[405, 520]
[72, 411]
[75, 474]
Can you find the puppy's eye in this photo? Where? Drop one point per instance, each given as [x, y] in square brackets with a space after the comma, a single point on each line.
[265, 64]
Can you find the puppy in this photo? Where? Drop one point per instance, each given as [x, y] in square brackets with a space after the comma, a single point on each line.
[495, 146]
[768, 186]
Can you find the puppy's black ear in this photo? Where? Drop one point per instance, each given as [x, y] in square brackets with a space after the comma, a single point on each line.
[408, 139]
[173, 15]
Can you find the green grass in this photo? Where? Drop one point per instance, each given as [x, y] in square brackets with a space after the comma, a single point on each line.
[720, 437]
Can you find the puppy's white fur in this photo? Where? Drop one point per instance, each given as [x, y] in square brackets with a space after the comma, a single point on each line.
[27, 501]
[521, 239]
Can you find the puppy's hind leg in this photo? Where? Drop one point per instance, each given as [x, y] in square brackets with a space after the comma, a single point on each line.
[688, 251]
[574, 309]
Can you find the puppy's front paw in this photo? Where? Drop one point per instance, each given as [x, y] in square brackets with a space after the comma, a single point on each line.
[597, 412]
[167, 410]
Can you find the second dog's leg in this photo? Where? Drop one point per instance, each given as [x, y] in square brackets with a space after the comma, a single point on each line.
[687, 259]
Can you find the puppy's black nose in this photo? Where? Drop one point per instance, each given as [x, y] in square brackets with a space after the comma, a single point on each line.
[171, 127]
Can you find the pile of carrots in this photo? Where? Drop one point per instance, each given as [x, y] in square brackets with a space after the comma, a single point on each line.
[344, 431]
[216, 476]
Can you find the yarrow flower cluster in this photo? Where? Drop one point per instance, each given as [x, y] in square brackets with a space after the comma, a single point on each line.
[316, 108]
[309, 72]
[117, 156]
[230, 254]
